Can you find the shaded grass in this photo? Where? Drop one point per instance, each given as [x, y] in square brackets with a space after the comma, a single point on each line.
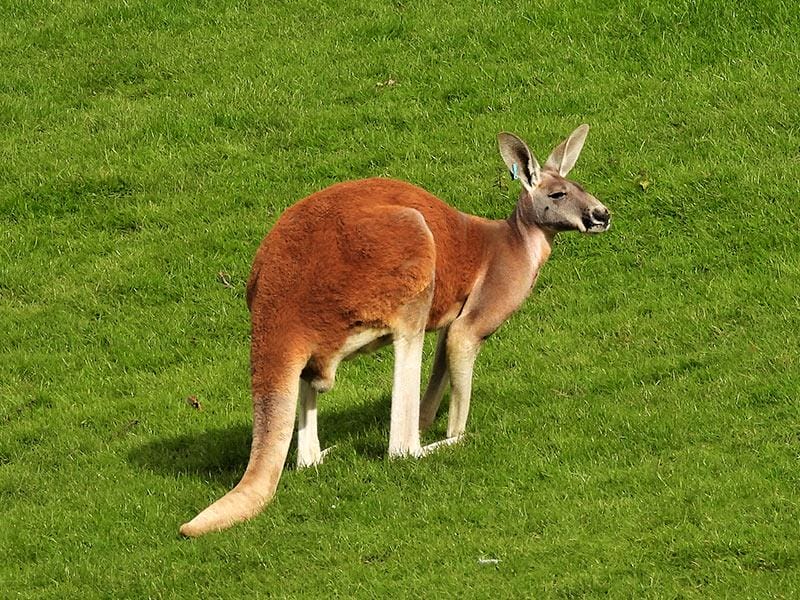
[634, 427]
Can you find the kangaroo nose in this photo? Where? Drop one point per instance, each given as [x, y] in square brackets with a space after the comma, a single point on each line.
[600, 214]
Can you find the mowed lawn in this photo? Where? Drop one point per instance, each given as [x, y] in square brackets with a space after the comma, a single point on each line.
[635, 429]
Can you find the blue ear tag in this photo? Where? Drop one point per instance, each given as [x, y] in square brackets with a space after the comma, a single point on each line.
[514, 172]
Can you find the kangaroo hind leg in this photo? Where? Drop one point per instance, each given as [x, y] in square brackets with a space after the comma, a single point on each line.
[461, 348]
[409, 338]
[308, 448]
[404, 427]
[440, 377]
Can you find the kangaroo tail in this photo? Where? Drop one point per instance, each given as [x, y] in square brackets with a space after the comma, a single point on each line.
[274, 408]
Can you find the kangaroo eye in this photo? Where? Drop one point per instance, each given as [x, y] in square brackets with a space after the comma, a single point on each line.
[557, 195]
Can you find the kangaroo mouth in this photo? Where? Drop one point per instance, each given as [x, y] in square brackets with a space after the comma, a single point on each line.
[594, 226]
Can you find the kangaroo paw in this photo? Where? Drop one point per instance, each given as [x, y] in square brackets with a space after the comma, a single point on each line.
[312, 459]
[425, 450]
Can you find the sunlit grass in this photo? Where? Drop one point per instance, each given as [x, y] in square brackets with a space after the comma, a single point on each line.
[634, 429]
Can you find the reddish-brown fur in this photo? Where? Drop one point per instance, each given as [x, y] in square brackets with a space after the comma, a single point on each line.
[364, 256]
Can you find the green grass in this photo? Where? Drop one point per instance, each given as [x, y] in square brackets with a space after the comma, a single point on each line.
[635, 428]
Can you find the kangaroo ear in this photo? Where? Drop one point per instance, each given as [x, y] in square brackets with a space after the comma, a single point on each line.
[566, 154]
[519, 160]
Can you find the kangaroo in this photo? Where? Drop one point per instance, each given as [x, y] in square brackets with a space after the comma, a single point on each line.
[362, 264]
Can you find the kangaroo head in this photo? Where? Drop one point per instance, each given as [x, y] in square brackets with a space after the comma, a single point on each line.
[548, 199]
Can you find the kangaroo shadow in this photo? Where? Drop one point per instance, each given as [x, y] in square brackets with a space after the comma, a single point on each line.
[217, 454]
[221, 454]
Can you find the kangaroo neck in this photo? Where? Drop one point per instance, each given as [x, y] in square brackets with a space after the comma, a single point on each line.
[536, 240]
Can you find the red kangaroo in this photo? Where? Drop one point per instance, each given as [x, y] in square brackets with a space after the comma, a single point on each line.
[366, 263]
